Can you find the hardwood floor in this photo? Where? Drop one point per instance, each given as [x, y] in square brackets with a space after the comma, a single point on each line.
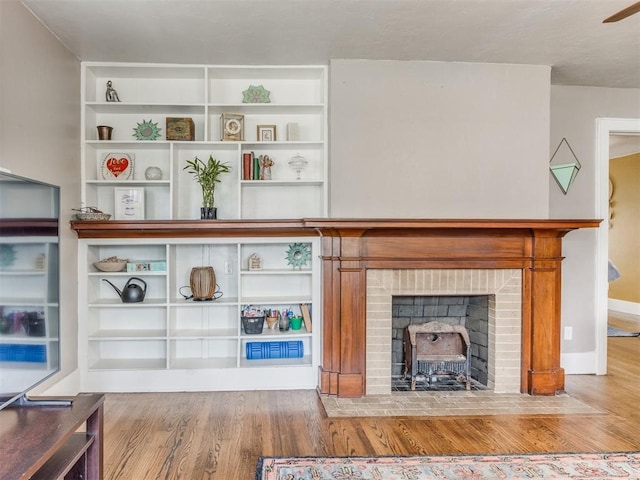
[221, 435]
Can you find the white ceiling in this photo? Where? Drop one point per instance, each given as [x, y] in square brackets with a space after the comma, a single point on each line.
[568, 35]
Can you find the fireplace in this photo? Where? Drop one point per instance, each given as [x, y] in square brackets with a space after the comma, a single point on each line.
[364, 259]
[501, 287]
[470, 312]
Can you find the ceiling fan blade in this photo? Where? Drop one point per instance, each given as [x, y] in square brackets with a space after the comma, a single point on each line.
[627, 12]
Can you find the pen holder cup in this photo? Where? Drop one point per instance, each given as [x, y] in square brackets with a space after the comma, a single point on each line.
[296, 323]
[283, 324]
[272, 323]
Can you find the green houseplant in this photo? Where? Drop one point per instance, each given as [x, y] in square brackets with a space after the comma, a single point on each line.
[207, 174]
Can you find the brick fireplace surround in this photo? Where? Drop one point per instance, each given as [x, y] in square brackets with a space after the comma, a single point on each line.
[504, 287]
[359, 254]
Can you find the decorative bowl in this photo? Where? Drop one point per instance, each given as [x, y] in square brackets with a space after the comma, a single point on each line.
[111, 264]
[93, 216]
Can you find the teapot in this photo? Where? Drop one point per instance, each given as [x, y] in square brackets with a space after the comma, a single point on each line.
[131, 292]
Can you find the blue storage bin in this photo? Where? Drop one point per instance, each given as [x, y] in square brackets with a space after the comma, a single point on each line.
[264, 350]
[23, 353]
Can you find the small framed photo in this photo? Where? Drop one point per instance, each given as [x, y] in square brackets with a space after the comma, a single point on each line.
[266, 133]
[129, 203]
[231, 127]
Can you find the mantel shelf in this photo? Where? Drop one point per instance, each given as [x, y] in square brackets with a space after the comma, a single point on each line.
[313, 227]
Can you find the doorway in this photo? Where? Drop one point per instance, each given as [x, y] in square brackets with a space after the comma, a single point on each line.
[605, 127]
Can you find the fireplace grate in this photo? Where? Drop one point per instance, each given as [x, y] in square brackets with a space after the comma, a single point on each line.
[435, 348]
[439, 383]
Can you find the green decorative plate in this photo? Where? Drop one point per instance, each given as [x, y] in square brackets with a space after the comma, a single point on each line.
[146, 130]
[256, 94]
[298, 255]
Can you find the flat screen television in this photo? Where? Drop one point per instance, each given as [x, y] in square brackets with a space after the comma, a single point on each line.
[29, 286]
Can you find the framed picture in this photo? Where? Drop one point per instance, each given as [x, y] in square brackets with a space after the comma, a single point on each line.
[116, 166]
[231, 127]
[266, 133]
[129, 203]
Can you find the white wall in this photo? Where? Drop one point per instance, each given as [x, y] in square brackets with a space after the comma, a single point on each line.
[437, 140]
[40, 136]
[434, 140]
[574, 111]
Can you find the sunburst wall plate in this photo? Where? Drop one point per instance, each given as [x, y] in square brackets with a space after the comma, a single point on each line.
[146, 130]
[298, 255]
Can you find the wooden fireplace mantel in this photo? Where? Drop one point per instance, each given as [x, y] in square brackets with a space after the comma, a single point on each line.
[351, 246]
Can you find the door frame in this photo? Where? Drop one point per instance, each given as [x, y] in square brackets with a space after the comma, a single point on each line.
[604, 128]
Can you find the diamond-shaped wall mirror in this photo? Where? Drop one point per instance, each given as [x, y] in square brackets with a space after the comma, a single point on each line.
[564, 165]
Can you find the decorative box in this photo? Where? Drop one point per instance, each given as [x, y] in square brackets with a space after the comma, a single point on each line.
[180, 129]
[265, 350]
[146, 266]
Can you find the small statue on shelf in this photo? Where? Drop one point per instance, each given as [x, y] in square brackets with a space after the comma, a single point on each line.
[111, 94]
[265, 163]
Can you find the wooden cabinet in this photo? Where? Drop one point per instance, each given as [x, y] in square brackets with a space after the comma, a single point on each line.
[53, 442]
[169, 342]
[149, 94]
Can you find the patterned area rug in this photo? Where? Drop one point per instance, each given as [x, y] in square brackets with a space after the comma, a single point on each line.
[584, 466]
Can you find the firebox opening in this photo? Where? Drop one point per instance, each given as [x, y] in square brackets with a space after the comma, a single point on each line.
[471, 312]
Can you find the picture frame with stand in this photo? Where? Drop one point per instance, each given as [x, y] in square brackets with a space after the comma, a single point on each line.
[266, 133]
[129, 203]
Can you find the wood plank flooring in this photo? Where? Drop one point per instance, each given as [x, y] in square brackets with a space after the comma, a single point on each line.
[221, 435]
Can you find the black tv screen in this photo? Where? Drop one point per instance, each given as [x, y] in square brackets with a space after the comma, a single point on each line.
[29, 285]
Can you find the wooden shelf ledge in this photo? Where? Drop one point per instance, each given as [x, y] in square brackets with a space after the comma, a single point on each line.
[312, 227]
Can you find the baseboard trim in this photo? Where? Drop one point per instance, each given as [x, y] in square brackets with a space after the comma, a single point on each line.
[623, 306]
[583, 363]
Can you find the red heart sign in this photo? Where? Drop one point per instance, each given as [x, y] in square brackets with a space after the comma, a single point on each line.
[117, 165]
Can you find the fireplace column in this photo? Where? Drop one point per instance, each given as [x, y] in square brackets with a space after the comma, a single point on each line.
[541, 318]
[343, 369]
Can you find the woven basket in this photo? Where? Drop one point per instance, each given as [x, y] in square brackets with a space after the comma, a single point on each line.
[93, 216]
[111, 266]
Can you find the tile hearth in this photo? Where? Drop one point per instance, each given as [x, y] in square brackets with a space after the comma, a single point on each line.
[440, 404]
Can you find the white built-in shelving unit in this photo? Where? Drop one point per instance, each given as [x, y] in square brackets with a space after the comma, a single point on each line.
[151, 93]
[167, 342]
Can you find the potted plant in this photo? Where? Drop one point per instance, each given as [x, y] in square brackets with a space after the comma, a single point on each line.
[207, 174]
